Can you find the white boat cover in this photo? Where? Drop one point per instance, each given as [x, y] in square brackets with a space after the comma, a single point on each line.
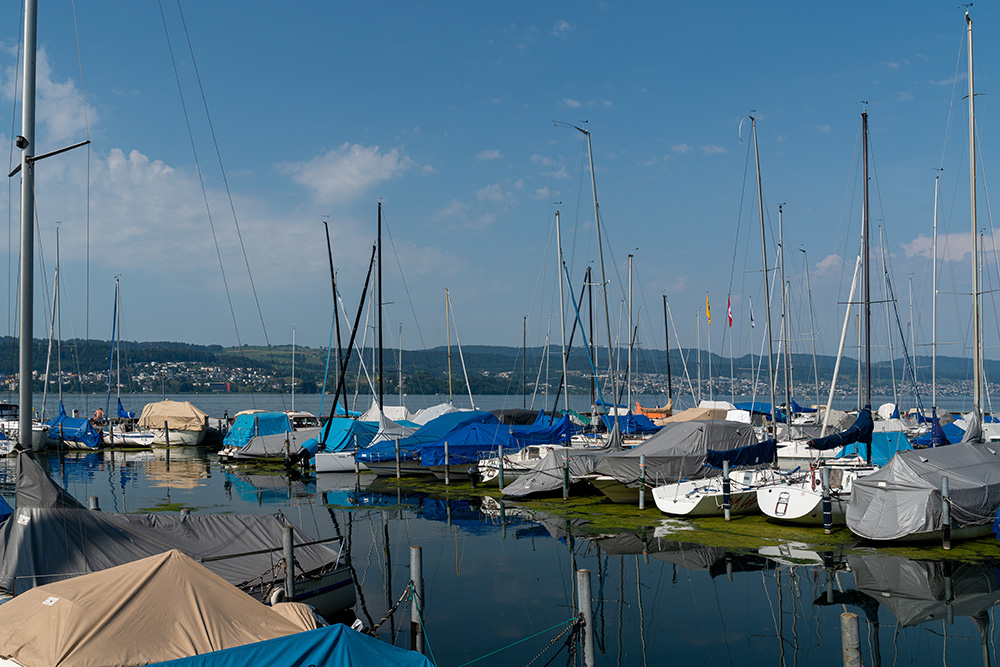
[393, 412]
[904, 497]
[677, 452]
[51, 536]
[179, 415]
[151, 610]
[427, 414]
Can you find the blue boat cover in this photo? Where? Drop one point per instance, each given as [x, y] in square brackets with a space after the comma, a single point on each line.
[123, 413]
[435, 429]
[949, 434]
[333, 646]
[884, 447]
[762, 408]
[757, 454]
[473, 441]
[247, 426]
[860, 431]
[638, 424]
[74, 429]
[5, 510]
[798, 408]
[342, 434]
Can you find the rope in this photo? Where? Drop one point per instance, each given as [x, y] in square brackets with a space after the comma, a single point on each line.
[570, 624]
[406, 593]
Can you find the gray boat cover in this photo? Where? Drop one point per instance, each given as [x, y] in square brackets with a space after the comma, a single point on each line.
[677, 452]
[48, 538]
[547, 476]
[915, 591]
[273, 446]
[904, 497]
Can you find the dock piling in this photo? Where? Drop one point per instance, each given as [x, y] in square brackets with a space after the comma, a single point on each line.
[288, 549]
[945, 514]
[850, 637]
[642, 481]
[397, 460]
[586, 608]
[500, 465]
[417, 603]
[726, 490]
[93, 504]
[565, 472]
[447, 465]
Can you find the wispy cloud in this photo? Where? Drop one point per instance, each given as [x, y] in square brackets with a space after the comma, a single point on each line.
[825, 128]
[712, 149]
[489, 154]
[893, 64]
[538, 158]
[539, 193]
[562, 28]
[682, 148]
[828, 265]
[495, 193]
[950, 81]
[904, 96]
[345, 173]
[570, 103]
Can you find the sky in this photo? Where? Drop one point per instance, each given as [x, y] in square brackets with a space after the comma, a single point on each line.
[222, 137]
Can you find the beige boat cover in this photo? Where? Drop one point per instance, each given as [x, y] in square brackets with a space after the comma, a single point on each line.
[694, 414]
[159, 608]
[179, 415]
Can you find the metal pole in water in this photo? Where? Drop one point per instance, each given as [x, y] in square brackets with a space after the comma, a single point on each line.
[417, 604]
[726, 491]
[397, 459]
[949, 594]
[357, 464]
[447, 465]
[829, 586]
[166, 434]
[288, 547]
[584, 604]
[827, 503]
[642, 481]
[93, 504]
[945, 514]
[850, 637]
[500, 465]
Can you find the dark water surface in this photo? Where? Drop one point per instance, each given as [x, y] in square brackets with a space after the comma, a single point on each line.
[491, 582]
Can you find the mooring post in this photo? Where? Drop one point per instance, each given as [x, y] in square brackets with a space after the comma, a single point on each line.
[829, 586]
[850, 637]
[584, 604]
[397, 460]
[357, 463]
[166, 434]
[417, 603]
[288, 446]
[945, 514]
[726, 490]
[288, 549]
[949, 594]
[642, 481]
[503, 520]
[565, 476]
[447, 465]
[827, 502]
[500, 465]
[93, 504]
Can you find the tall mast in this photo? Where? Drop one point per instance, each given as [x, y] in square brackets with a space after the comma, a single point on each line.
[812, 324]
[977, 376]
[336, 317]
[293, 368]
[400, 387]
[628, 366]
[381, 386]
[26, 143]
[447, 329]
[592, 351]
[524, 362]
[666, 334]
[866, 275]
[784, 326]
[767, 290]
[888, 317]
[58, 322]
[934, 264]
[562, 309]
[604, 282]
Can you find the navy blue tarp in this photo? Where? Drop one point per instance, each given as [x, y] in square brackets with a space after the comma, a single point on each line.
[474, 441]
[860, 431]
[949, 434]
[74, 430]
[435, 429]
[5, 510]
[761, 408]
[757, 454]
[123, 413]
[333, 646]
[638, 424]
[798, 408]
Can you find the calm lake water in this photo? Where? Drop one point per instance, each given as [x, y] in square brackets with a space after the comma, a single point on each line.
[490, 582]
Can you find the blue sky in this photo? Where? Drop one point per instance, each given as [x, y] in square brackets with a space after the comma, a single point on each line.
[443, 112]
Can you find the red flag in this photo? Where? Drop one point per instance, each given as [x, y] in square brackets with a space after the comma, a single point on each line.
[729, 307]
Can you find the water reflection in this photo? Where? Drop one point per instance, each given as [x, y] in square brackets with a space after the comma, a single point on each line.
[497, 572]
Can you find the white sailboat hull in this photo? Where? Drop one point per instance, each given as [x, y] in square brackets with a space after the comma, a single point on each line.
[337, 462]
[177, 437]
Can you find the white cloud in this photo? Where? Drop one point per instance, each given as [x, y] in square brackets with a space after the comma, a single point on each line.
[489, 154]
[682, 148]
[496, 194]
[570, 103]
[712, 149]
[539, 193]
[904, 96]
[538, 158]
[962, 76]
[562, 28]
[828, 265]
[951, 247]
[825, 128]
[345, 173]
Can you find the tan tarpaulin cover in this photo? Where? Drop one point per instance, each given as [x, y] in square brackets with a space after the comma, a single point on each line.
[694, 414]
[151, 610]
[179, 415]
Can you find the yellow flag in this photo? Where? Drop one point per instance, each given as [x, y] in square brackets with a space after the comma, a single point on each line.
[708, 311]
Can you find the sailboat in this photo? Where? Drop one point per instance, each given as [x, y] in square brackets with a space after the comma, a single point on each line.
[122, 429]
[908, 499]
